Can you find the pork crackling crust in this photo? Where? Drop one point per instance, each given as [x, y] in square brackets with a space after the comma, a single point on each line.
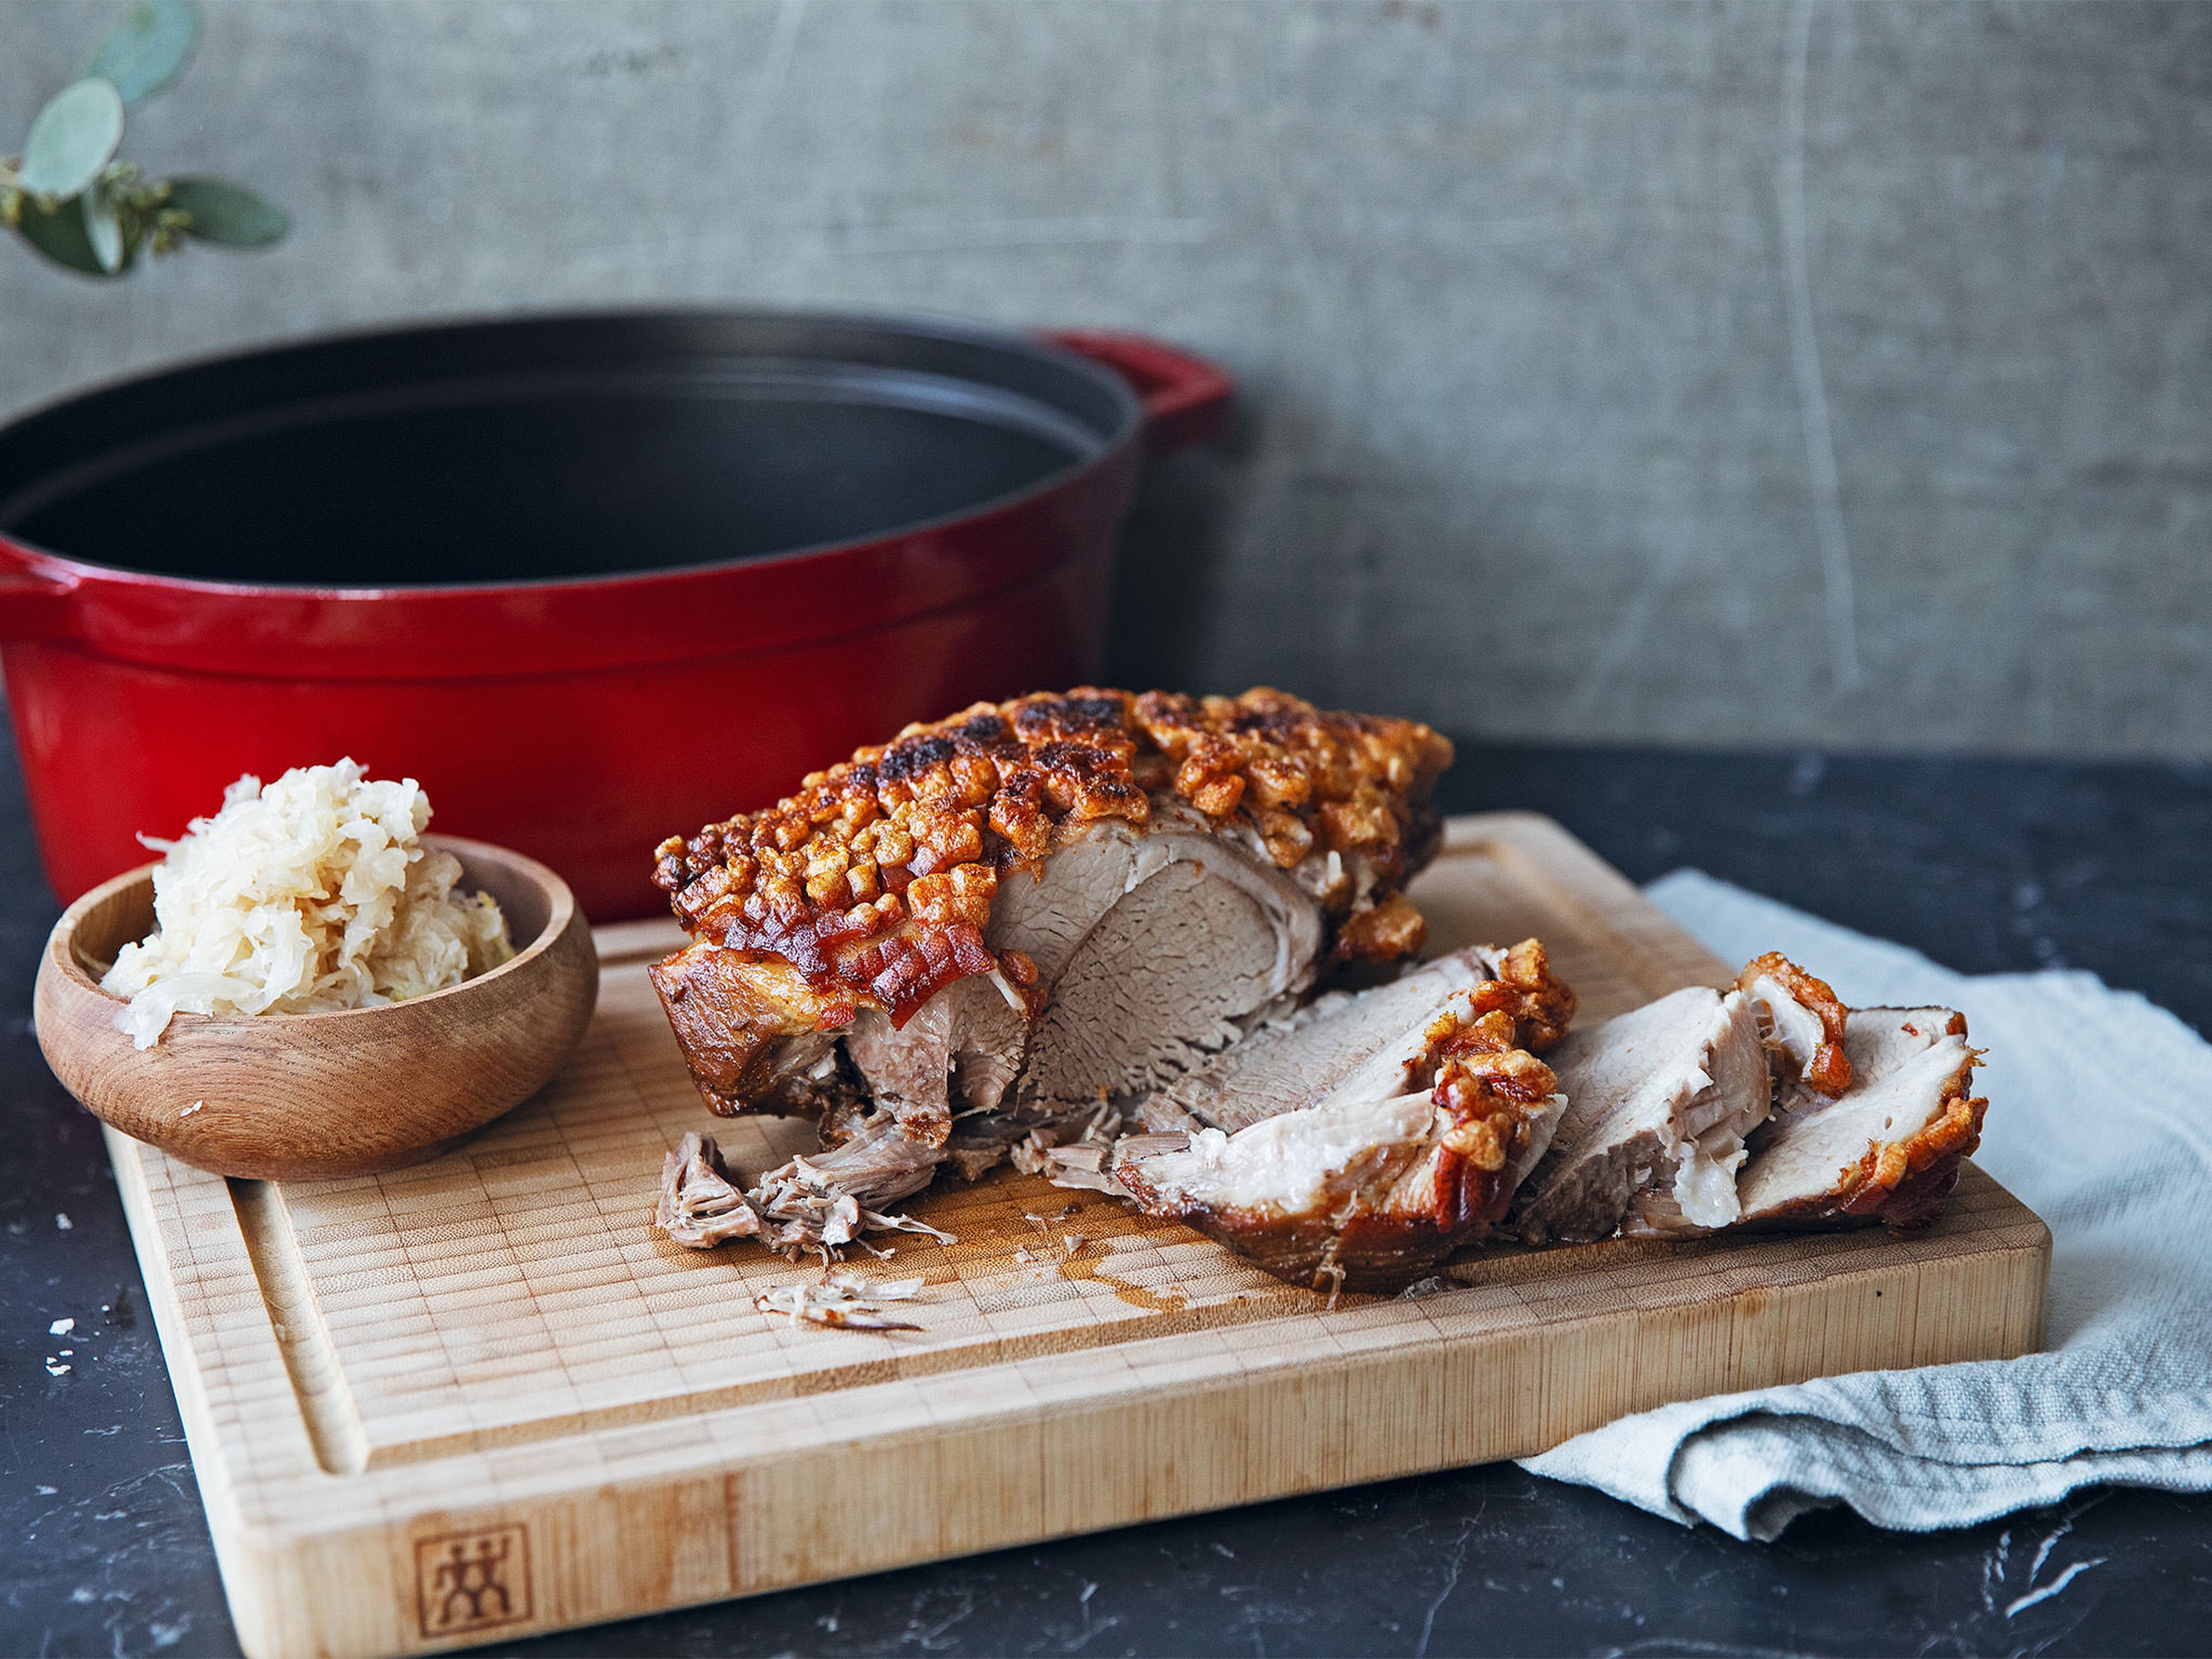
[1814, 1056]
[873, 885]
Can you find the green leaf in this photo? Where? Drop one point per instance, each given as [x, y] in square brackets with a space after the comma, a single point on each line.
[59, 233]
[148, 49]
[103, 227]
[226, 214]
[73, 138]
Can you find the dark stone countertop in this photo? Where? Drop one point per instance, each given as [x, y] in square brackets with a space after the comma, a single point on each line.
[1984, 865]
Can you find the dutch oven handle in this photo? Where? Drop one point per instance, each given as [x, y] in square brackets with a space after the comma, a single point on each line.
[1186, 398]
[34, 603]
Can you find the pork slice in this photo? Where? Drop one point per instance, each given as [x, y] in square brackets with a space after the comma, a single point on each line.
[1367, 1045]
[1354, 1194]
[1356, 1147]
[1659, 1101]
[1274, 1191]
[1888, 1148]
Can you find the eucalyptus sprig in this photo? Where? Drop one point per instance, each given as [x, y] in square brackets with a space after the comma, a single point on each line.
[71, 196]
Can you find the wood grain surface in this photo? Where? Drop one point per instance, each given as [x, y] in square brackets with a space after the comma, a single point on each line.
[481, 1397]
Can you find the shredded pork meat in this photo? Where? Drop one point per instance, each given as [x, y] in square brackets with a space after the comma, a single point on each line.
[1659, 1101]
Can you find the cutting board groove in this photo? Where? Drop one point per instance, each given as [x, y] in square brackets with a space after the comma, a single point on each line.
[483, 1397]
[310, 1357]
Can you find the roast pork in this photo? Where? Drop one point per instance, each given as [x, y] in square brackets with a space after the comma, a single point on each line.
[1023, 931]
[989, 931]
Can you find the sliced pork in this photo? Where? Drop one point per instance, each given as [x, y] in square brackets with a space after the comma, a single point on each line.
[1659, 1101]
[1023, 932]
[1370, 1043]
[1356, 1144]
[1888, 1148]
[974, 939]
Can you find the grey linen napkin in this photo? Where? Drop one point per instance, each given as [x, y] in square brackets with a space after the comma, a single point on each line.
[2101, 1119]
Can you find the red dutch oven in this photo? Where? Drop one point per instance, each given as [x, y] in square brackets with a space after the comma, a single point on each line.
[592, 579]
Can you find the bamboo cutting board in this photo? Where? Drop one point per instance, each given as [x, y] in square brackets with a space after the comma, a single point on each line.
[482, 1397]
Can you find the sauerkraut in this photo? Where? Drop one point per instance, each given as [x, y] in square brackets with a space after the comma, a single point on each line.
[314, 893]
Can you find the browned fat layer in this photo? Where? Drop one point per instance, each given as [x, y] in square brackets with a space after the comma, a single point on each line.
[876, 880]
[1829, 1071]
[1487, 1083]
[1376, 1252]
[727, 1013]
[1367, 1254]
[1903, 1184]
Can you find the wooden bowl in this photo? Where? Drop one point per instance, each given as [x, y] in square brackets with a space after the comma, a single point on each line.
[304, 1097]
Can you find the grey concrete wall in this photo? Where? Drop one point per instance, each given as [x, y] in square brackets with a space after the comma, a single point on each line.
[1766, 374]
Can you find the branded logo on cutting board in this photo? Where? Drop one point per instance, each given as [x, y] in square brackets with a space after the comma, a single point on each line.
[470, 1581]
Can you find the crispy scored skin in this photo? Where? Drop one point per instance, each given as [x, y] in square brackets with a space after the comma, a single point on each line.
[1540, 1004]
[872, 886]
[1829, 1071]
[1489, 1093]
